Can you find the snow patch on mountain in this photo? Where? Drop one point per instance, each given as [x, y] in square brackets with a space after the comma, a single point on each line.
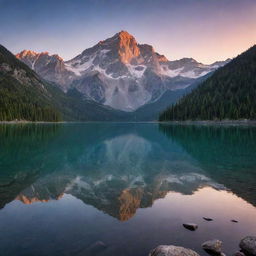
[78, 67]
[136, 71]
[170, 72]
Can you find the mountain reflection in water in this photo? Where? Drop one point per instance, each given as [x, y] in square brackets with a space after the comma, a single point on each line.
[121, 170]
[117, 169]
[226, 154]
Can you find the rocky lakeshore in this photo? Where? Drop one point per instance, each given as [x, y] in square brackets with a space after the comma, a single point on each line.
[212, 247]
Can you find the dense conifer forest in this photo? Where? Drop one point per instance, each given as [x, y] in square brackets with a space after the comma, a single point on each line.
[230, 93]
[18, 103]
[23, 96]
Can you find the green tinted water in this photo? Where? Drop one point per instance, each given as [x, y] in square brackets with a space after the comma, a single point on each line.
[67, 189]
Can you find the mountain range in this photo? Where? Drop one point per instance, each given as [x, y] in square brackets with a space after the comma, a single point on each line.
[118, 72]
[117, 79]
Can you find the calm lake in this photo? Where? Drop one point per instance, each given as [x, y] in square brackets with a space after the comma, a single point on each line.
[123, 189]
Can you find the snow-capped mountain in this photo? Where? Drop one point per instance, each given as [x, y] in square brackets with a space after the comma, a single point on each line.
[118, 72]
[49, 67]
[188, 67]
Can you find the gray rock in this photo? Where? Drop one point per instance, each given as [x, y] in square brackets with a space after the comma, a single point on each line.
[238, 253]
[212, 246]
[171, 250]
[208, 219]
[190, 226]
[248, 245]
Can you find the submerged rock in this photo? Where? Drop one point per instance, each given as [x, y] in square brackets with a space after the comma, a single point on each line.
[190, 226]
[97, 246]
[171, 250]
[212, 246]
[238, 253]
[234, 221]
[248, 245]
[208, 219]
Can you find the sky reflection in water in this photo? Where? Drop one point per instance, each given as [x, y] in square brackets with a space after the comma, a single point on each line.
[64, 188]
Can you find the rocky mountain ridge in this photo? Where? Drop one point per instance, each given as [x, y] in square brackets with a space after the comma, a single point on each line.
[118, 72]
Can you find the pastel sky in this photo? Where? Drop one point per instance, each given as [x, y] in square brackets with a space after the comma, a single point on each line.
[207, 30]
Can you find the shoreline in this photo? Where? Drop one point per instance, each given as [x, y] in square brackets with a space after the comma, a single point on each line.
[31, 122]
[213, 122]
[189, 122]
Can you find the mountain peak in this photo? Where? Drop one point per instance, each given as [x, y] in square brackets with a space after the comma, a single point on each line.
[187, 59]
[124, 34]
[126, 45]
[57, 57]
[32, 54]
[26, 53]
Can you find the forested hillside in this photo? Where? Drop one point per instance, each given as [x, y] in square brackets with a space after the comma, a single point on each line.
[230, 93]
[23, 95]
[26, 96]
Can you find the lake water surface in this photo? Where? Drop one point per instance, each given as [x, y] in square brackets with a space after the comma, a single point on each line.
[123, 189]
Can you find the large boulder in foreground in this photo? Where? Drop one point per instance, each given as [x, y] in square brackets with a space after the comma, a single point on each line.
[171, 250]
[212, 246]
[248, 245]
